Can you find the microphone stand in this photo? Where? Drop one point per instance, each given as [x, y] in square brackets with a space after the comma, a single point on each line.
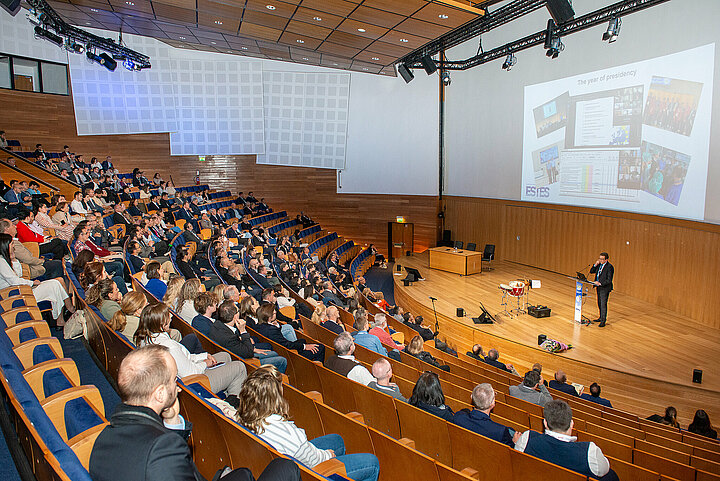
[437, 325]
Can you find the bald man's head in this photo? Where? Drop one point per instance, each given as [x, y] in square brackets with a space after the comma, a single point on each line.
[142, 371]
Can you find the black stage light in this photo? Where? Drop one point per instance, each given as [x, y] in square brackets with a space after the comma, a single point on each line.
[47, 35]
[613, 30]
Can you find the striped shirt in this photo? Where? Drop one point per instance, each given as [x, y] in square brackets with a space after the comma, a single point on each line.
[291, 440]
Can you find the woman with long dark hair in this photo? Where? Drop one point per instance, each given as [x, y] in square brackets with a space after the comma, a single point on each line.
[428, 396]
[51, 290]
[701, 425]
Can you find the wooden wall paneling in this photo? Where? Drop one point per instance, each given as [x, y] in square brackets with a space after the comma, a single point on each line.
[669, 262]
[49, 119]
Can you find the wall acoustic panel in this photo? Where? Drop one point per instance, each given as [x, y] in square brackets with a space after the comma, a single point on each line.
[219, 104]
[306, 118]
[18, 38]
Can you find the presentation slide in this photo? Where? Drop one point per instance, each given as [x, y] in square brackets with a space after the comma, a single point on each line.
[634, 137]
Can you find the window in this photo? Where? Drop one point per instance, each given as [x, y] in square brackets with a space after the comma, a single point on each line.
[30, 75]
[54, 78]
[26, 74]
[5, 72]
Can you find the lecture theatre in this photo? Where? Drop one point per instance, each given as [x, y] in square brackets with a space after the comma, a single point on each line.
[359, 240]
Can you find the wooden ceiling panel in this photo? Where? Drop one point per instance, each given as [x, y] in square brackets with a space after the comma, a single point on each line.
[258, 31]
[335, 62]
[377, 17]
[157, 33]
[214, 42]
[220, 10]
[349, 40]
[296, 40]
[338, 50]
[171, 27]
[217, 23]
[365, 67]
[278, 53]
[404, 39]
[280, 9]
[182, 37]
[375, 58]
[132, 6]
[362, 29]
[265, 19]
[310, 30]
[422, 29]
[170, 12]
[389, 71]
[401, 7]
[190, 4]
[315, 17]
[100, 5]
[388, 49]
[207, 33]
[335, 7]
[436, 13]
[302, 55]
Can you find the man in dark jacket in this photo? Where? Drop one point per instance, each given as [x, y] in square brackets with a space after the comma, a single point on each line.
[147, 436]
[478, 419]
[270, 328]
[560, 383]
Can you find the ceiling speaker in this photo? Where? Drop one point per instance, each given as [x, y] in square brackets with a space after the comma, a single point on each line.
[561, 10]
[405, 73]
[429, 64]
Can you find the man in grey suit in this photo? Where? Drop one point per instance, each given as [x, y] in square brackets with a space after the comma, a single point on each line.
[531, 389]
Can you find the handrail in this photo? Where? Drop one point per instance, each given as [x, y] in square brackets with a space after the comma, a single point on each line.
[15, 154]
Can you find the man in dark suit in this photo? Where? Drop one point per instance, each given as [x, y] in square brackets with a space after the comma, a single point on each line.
[148, 433]
[165, 201]
[153, 204]
[119, 216]
[269, 327]
[604, 272]
[478, 419]
[560, 383]
[233, 212]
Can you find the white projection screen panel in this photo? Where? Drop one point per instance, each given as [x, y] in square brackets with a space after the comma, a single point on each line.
[634, 137]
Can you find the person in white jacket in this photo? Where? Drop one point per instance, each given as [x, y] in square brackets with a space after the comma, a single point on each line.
[11, 275]
[223, 373]
[265, 412]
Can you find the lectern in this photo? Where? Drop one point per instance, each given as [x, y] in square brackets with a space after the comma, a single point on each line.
[582, 289]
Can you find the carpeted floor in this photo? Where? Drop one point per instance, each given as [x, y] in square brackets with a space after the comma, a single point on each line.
[382, 280]
[7, 465]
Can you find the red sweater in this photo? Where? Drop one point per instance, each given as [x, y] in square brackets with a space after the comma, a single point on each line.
[24, 234]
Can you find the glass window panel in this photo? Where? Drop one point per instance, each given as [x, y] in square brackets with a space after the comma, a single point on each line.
[54, 78]
[26, 74]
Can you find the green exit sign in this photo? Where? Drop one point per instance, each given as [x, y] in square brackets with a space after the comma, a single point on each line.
[201, 158]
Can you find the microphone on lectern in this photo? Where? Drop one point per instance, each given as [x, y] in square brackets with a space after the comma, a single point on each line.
[432, 298]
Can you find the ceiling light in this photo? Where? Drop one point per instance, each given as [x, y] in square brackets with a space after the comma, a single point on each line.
[317, 19]
[305, 58]
[129, 64]
[218, 22]
[243, 48]
[300, 41]
[375, 58]
[229, 51]
[74, 47]
[94, 10]
[361, 30]
[130, 3]
[270, 7]
[103, 59]
[613, 30]
[365, 69]
[404, 40]
[88, 23]
[182, 38]
[382, 73]
[443, 16]
[214, 43]
[335, 64]
[510, 62]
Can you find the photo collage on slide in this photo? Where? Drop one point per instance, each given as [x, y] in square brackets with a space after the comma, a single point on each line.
[603, 153]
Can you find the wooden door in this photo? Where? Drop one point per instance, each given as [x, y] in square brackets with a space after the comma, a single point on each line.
[401, 239]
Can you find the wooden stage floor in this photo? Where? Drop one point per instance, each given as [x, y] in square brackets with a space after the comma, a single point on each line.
[639, 338]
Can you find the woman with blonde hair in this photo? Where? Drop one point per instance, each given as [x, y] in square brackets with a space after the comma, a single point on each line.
[264, 411]
[186, 300]
[319, 315]
[127, 319]
[415, 349]
[218, 293]
[248, 306]
[174, 286]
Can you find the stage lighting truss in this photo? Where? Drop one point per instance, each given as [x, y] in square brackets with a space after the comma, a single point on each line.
[613, 30]
[556, 46]
[610, 14]
[50, 26]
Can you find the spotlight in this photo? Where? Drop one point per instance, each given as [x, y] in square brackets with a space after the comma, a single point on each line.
[405, 73]
[47, 35]
[549, 33]
[510, 62]
[613, 30]
[556, 46]
[74, 47]
[129, 64]
[446, 80]
[103, 59]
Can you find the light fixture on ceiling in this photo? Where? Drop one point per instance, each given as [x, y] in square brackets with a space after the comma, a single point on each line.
[509, 62]
[300, 41]
[103, 59]
[243, 48]
[613, 30]
[218, 22]
[553, 44]
[362, 30]
[404, 40]
[317, 19]
[182, 38]
[270, 7]
[443, 16]
[130, 3]
[129, 64]
[47, 35]
[94, 10]
[305, 58]
[375, 58]
[213, 43]
[445, 77]
[72, 46]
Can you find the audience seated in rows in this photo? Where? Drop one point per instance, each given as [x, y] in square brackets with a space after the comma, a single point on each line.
[382, 372]
[343, 361]
[478, 419]
[531, 389]
[428, 396]
[594, 395]
[560, 383]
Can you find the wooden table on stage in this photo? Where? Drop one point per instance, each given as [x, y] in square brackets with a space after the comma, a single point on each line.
[463, 262]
